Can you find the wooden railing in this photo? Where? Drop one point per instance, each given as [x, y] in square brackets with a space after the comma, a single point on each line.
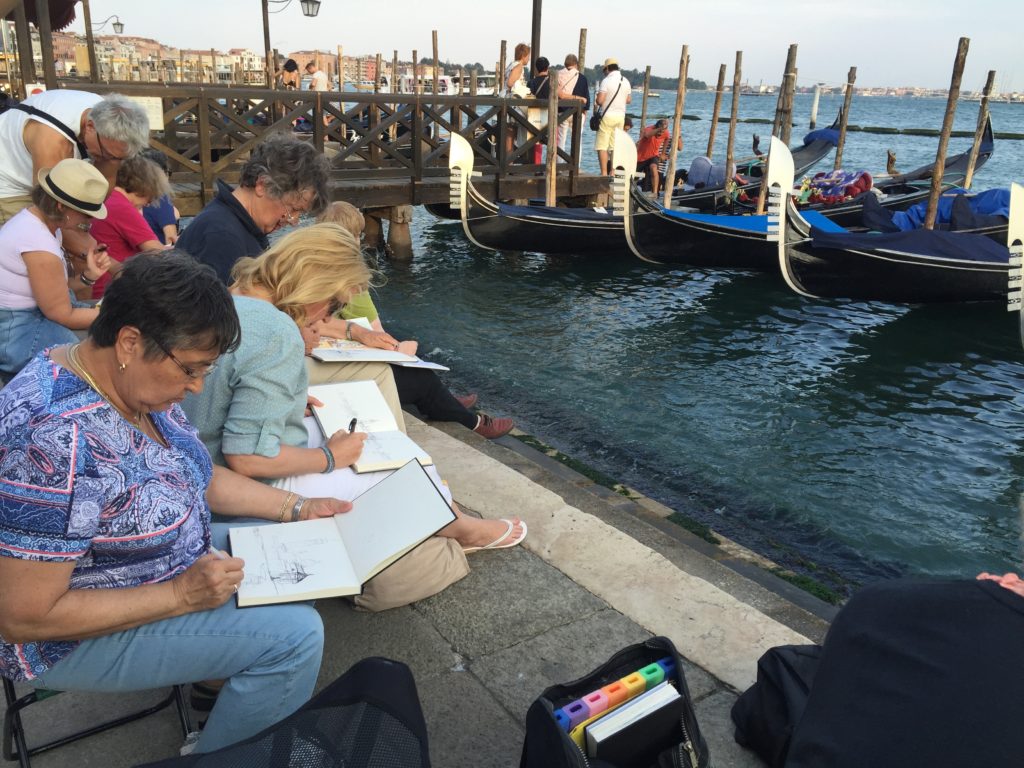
[208, 131]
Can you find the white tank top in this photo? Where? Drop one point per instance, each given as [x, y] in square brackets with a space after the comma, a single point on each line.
[15, 160]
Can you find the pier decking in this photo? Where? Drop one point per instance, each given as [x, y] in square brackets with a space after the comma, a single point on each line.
[385, 149]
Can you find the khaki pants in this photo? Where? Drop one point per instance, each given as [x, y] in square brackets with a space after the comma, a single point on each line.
[9, 206]
[328, 373]
[434, 565]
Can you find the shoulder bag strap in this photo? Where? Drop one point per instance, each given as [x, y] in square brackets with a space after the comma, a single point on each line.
[612, 99]
[48, 118]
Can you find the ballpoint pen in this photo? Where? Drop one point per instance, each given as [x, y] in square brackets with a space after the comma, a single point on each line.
[352, 426]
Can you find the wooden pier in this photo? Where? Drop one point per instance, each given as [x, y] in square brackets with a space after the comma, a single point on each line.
[386, 150]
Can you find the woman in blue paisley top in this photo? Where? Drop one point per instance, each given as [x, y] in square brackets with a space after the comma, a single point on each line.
[111, 575]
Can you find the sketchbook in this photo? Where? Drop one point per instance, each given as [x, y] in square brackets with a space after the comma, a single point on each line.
[342, 351]
[386, 446]
[335, 556]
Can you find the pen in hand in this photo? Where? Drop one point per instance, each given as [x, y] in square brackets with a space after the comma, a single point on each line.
[220, 555]
[352, 426]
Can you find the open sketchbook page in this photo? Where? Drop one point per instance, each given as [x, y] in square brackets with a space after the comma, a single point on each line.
[360, 354]
[292, 561]
[360, 400]
[391, 518]
[389, 450]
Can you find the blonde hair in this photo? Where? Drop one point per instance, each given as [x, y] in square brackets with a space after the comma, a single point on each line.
[344, 214]
[316, 263]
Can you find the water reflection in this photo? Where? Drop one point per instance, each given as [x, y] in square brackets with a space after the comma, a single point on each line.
[875, 438]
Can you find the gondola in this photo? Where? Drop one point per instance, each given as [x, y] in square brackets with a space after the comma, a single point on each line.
[500, 226]
[907, 189]
[817, 144]
[545, 229]
[820, 259]
[1015, 242]
[708, 240]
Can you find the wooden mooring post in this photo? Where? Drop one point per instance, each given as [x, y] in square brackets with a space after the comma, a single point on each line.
[844, 119]
[433, 35]
[972, 159]
[677, 126]
[730, 144]
[647, 87]
[551, 168]
[947, 127]
[814, 107]
[714, 110]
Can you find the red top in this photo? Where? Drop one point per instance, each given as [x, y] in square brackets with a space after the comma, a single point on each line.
[123, 231]
[650, 145]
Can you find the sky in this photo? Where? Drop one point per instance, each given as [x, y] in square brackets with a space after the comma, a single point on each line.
[891, 42]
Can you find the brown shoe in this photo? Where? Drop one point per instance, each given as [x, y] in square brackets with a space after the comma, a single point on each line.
[467, 401]
[491, 428]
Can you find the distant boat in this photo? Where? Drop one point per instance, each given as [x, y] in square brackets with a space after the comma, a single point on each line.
[650, 94]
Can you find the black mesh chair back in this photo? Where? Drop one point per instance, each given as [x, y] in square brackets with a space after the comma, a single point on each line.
[370, 717]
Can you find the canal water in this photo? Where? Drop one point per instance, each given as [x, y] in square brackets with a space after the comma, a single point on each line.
[859, 438]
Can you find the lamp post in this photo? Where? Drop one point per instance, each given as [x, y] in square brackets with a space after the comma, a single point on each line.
[309, 8]
[90, 43]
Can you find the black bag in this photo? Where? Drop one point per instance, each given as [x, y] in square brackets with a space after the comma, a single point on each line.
[370, 716]
[548, 746]
[595, 120]
[768, 711]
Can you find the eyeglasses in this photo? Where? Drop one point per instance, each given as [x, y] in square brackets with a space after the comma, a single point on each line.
[291, 213]
[192, 373]
[105, 155]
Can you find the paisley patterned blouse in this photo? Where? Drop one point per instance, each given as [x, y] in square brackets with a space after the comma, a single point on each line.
[79, 483]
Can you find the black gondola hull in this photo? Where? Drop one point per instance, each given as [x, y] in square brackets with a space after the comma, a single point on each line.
[881, 276]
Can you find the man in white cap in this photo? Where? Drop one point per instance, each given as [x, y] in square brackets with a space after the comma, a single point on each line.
[54, 125]
[613, 94]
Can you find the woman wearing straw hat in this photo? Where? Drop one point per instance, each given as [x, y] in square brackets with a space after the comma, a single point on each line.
[36, 308]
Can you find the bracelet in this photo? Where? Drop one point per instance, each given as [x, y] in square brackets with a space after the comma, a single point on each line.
[348, 330]
[297, 508]
[330, 460]
[86, 281]
[284, 507]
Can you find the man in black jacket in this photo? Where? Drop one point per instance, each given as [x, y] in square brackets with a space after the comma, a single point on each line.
[920, 673]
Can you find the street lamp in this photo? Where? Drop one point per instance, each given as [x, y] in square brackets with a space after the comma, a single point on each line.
[117, 25]
[310, 7]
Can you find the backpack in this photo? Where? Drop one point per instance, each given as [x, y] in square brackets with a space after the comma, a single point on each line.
[547, 745]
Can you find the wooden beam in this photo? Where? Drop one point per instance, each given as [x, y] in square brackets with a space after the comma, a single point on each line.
[979, 131]
[714, 111]
[947, 128]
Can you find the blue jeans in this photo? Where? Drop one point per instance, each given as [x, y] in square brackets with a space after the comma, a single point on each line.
[24, 333]
[270, 655]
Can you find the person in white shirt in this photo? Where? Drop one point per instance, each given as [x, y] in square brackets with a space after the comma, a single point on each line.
[319, 78]
[610, 102]
[51, 126]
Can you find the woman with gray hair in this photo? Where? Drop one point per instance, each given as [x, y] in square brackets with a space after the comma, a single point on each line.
[48, 127]
[282, 179]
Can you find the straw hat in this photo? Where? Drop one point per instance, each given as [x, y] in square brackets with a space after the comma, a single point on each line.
[609, 62]
[78, 185]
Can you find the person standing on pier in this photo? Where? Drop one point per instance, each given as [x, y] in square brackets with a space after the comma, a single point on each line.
[318, 78]
[612, 96]
[572, 84]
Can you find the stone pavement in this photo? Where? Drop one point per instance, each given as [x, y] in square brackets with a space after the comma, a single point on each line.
[597, 572]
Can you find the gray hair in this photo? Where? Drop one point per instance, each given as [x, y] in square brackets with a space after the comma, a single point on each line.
[286, 165]
[118, 118]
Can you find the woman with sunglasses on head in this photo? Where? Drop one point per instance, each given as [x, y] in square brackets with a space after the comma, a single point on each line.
[36, 308]
[251, 415]
[112, 577]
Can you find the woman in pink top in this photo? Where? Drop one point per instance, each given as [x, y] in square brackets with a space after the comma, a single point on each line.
[125, 231]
